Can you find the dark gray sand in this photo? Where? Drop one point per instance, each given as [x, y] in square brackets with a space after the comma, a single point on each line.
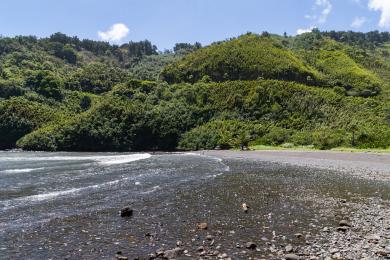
[302, 205]
[374, 166]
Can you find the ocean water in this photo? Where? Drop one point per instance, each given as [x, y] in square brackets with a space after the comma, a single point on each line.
[36, 187]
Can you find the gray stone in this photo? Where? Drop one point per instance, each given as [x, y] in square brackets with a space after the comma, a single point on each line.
[289, 248]
[126, 212]
[203, 226]
[173, 253]
[343, 229]
[291, 257]
[209, 237]
[345, 223]
[251, 245]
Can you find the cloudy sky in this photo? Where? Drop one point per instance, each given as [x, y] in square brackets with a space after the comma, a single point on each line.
[166, 22]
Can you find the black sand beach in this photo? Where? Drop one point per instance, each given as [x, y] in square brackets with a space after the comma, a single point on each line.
[302, 205]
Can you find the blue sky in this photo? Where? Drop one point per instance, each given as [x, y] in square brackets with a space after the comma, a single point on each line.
[166, 22]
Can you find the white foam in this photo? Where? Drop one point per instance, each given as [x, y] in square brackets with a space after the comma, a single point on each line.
[50, 195]
[196, 154]
[120, 159]
[21, 170]
[103, 160]
[155, 188]
[55, 194]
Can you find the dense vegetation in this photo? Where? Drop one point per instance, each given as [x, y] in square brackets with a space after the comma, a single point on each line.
[320, 89]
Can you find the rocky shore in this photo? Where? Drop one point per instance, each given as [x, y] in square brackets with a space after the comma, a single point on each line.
[258, 207]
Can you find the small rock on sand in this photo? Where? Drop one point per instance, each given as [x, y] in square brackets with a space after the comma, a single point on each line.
[203, 226]
[209, 237]
[291, 257]
[298, 235]
[126, 212]
[245, 207]
[345, 223]
[119, 256]
[173, 253]
[343, 229]
[251, 245]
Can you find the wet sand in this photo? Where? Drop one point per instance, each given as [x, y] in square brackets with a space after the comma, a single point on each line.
[302, 205]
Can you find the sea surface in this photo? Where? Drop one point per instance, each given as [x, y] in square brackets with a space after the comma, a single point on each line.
[36, 187]
[65, 205]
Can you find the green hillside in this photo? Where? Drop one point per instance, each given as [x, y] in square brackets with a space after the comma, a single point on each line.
[316, 89]
[248, 57]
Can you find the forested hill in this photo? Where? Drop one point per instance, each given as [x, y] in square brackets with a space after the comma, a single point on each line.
[321, 89]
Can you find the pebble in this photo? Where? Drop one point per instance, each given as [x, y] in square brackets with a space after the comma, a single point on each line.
[343, 229]
[289, 248]
[203, 226]
[345, 223]
[173, 253]
[126, 212]
[298, 235]
[373, 238]
[291, 257]
[251, 245]
[209, 237]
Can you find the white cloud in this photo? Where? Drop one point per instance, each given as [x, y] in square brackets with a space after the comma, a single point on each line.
[321, 11]
[307, 30]
[384, 7]
[326, 7]
[116, 33]
[358, 22]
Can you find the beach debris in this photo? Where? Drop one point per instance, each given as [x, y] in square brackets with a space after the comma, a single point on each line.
[245, 207]
[126, 212]
[203, 226]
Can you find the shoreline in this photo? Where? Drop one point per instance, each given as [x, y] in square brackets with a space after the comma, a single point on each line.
[373, 166]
